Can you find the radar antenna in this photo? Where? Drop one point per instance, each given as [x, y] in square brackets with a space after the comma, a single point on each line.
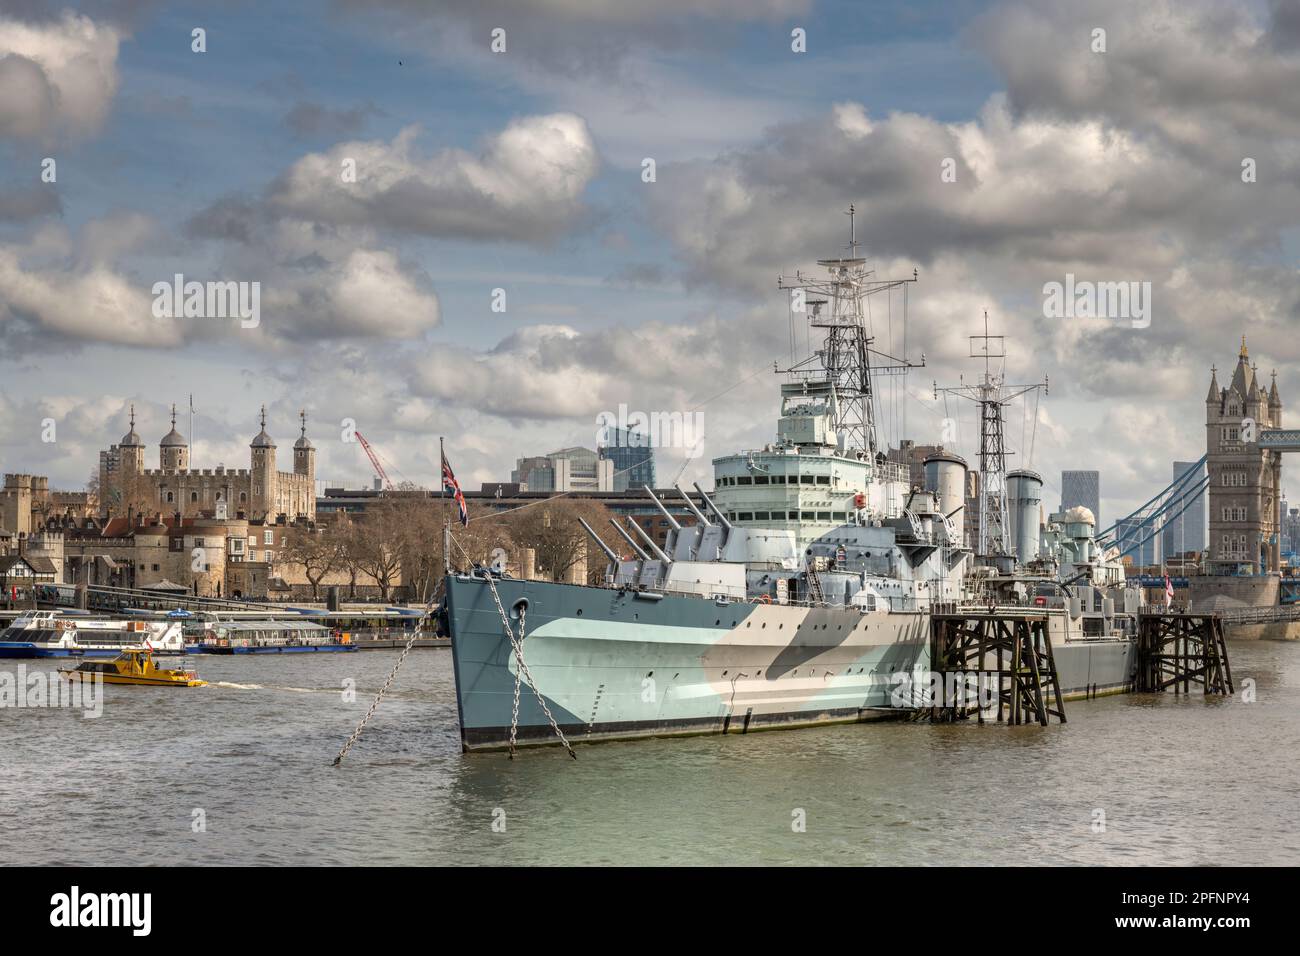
[992, 394]
[845, 358]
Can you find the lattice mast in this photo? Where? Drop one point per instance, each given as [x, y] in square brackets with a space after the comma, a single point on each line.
[835, 304]
[992, 394]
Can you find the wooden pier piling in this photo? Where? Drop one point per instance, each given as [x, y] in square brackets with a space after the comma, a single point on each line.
[1007, 646]
[1178, 650]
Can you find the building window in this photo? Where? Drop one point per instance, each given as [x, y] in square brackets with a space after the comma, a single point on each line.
[194, 496]
[268, 537]
[243, 497]
[170, 497]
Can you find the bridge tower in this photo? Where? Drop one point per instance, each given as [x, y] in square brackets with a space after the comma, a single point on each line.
[1244, 461]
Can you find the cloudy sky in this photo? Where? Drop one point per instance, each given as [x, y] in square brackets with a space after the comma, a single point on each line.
[524, 171]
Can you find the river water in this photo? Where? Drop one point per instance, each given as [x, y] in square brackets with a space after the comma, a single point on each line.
[240, 772]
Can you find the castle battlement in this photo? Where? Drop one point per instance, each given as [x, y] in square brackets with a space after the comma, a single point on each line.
[260, 490]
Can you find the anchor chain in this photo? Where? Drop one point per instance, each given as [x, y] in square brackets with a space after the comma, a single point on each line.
[519, 673]
[374, 705]
[522, 672]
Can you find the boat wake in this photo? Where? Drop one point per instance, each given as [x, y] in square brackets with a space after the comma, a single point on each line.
[292, 690]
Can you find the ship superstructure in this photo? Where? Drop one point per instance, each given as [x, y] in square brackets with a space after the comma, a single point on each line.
[801, 595]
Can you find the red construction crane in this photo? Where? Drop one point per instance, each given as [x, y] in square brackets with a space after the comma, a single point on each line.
[374, 460]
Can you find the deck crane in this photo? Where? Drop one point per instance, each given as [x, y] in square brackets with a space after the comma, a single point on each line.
[374, 460]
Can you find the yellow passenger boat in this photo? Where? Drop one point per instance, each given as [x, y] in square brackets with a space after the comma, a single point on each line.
[133, 666]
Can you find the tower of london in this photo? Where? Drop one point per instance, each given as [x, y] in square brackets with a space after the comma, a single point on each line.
[259, 492]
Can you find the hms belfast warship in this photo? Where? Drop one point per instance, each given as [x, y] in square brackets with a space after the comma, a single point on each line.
[802, 595]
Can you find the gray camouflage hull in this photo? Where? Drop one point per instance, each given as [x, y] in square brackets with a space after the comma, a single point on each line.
[617, 664]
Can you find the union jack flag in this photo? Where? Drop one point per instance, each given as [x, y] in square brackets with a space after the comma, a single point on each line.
[450, 486]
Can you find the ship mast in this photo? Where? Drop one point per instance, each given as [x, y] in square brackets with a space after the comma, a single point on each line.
[845, 358]
[992, 394]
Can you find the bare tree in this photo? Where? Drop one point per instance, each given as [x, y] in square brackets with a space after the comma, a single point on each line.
[552, 530]
[317, 551]
[377, 546]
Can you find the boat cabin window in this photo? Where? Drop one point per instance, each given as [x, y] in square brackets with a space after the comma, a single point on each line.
[744, 480]
[745, 516]
[760, 479]
[809, 516]
[823, 479]
[823, 516]
[760, 516]
[805, 479]
[793, 516]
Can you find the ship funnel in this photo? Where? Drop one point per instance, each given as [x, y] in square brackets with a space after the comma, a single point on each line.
[1024, 502]
[945, 477]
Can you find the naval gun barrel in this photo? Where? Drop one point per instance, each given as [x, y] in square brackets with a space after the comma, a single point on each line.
[662, 510]
[628, 538]
[649, 542]
[694, 510]
[712, 507]
[609, 552]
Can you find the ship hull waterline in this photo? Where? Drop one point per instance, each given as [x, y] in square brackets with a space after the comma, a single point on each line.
[618, 665]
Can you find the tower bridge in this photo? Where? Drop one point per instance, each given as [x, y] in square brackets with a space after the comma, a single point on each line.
[1245, 442]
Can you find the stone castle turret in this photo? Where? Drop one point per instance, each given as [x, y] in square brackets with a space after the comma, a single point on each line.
[304, 455]
[131, 450]
[264, 492]
[173, 450]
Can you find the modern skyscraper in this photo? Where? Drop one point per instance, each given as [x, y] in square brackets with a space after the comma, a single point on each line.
[569, 469]
[1187, 531]
[1082, 488]
[632, 456]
